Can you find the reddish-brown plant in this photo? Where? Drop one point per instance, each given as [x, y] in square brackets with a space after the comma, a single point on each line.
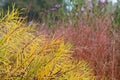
[95, 43]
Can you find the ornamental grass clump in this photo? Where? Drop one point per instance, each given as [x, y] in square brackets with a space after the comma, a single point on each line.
[27, 55]
[97, 43]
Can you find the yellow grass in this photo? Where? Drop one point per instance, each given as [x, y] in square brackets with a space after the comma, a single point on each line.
[27, 55]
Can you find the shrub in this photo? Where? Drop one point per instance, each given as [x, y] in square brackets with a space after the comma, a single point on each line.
[27, 55]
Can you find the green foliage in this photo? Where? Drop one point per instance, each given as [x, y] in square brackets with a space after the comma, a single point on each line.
[117, 14]
[26, 55]
[42, 10]
[34, 9]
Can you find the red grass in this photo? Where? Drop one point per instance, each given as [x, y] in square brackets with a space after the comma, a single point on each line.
[95, 44]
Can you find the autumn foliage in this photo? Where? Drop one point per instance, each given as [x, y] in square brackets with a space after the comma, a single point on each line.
[97, 43]
[26, 54]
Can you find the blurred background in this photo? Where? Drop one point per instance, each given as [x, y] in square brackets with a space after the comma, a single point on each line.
[65, 10]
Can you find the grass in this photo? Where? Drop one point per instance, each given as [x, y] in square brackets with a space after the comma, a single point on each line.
[97, 43]
[75, 49]
[26, 54]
